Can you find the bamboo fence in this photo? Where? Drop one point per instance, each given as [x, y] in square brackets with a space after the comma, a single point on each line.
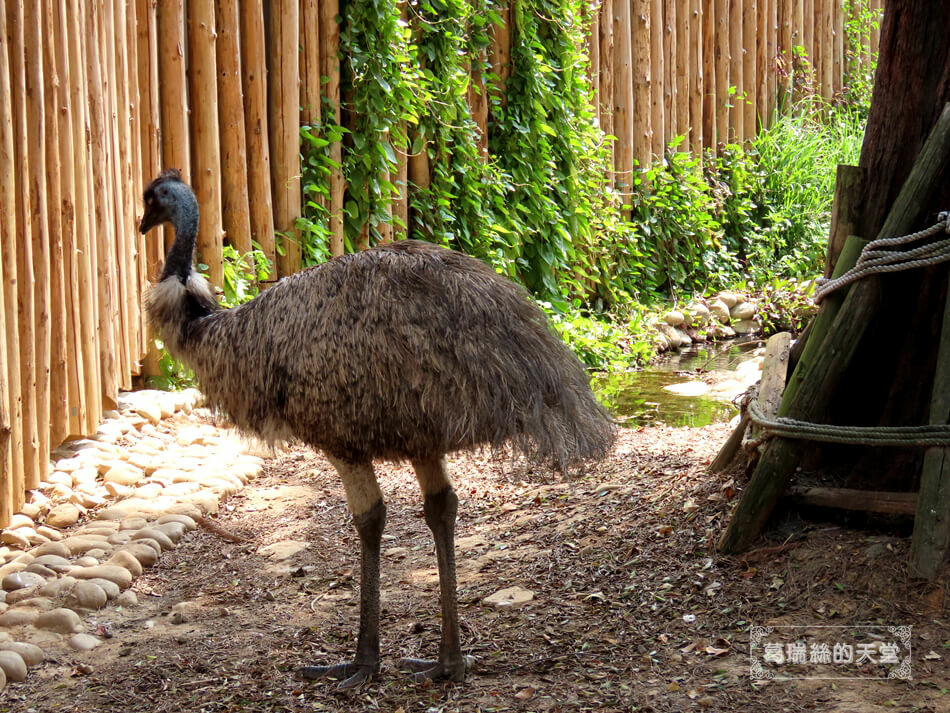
[97, 96]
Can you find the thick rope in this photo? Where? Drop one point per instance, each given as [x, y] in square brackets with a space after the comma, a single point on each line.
[874, 260]
[905, 436]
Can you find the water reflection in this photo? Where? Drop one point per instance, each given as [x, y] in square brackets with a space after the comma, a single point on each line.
[638, 398]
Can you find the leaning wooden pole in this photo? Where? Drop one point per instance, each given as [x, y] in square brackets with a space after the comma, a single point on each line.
[12, 463]
[330, 68]
[282, 122]
[36, 138]
[254, 82]
[820, 381]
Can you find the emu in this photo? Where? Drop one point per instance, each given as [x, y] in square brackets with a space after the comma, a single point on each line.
[406, 351]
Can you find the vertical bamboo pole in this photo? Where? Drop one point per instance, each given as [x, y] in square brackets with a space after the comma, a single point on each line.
[12, 463]
[761, 45]
[641, 39]
[825, 27]
[147, 39]
[696, 76]
[235, 205]
[254, 75]
[657, 74]
[682, 94]
[605, 72]
[710, 72]
[771, 62]
[206, 157]
[125, 198]
[284, 131]
[838, 64]
[624, 100]
[808, 31]
[137, 115]
[670, 56]
[87, 282]
[736, 80]
[58, 425]
[117, 136]
[723, 73]
[75, 361]
[330, 68]
[173, 88]
[750, 34]
[36, 137]
[103, 229]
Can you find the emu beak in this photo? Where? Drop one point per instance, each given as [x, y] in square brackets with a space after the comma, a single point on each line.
[148, 222]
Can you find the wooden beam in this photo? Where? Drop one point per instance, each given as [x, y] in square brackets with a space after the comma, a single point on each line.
[850, 499]
[845, 211]
[642, 85]
[624, 82]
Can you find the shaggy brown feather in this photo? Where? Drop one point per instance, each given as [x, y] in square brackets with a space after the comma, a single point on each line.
[404, 351]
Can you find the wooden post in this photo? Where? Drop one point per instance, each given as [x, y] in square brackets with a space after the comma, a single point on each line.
[499, 54]
[173, 91]
[103, 229]
[670, 57]
[330, 63]
[808, 38]
[642, 81]
[309, 62]
[723, 71]
[87, 281]
[761, 46]
[772, 63]
[879, 7]
[254, 75]
[624, 100]
[36, 121]
[137, 109]
[147, 38]
[845, 211]
[931, 539]
[206, 158]
[11, 478]
[834, 354]
[57, 427]
[736, 66]
[750, 25]
[825, 25]
[696, 76]
[838, 64]
[129, 296]
[797, 74]
[710, 74]
[73, 346]
[683, 95]
[605, 32]
[658, 74]
[235, 206]
[282, 123]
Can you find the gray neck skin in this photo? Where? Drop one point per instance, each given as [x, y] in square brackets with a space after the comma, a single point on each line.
[185, 221]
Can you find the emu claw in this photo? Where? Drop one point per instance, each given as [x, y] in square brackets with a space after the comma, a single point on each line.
[427, 670]
[353, 674]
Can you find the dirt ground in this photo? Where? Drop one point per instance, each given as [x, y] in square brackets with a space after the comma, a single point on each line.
[633, 609]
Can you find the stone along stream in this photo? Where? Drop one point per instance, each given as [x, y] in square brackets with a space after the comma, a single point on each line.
[693, 387]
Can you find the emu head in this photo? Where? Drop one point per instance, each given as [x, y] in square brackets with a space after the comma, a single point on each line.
[168, 199]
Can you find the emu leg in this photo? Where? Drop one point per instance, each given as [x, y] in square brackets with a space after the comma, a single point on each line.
[360, 484]
[440, 509]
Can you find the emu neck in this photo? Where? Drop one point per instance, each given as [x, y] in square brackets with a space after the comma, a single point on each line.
[179, 261]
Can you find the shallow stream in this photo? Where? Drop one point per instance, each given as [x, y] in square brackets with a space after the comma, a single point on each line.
[693, 387]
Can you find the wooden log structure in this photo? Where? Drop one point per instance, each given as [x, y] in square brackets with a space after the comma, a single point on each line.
[851, 499]
[658, 74]
[623, 118]
[329, 49]
[641, 34]
[837, 349]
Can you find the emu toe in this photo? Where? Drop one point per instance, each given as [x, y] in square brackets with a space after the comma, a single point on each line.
[428, 670]
[349, 673]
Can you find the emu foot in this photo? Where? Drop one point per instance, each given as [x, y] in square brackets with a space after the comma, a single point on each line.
[428, 670]
[351, 673]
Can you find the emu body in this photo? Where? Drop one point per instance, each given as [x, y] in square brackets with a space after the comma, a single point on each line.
[406, 351]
